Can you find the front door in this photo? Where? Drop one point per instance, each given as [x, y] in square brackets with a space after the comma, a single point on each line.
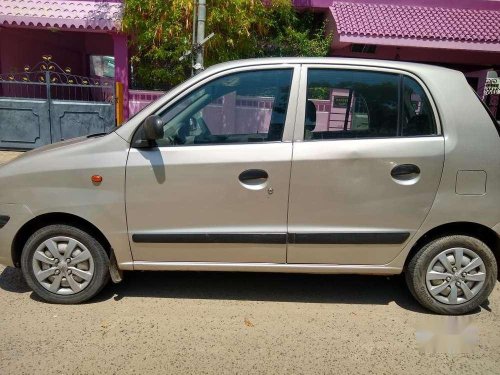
[215, 188]
[366, 166]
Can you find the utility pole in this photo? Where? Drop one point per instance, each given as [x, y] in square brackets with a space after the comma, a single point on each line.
[200, 34]
[197, 49]
[194, 37]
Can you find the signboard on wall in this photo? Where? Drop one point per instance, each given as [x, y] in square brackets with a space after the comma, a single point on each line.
[340, 101]
[492, 86]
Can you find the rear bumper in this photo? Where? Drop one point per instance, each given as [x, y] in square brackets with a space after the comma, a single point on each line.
[18, 215]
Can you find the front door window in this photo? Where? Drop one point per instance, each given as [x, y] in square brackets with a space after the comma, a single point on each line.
[245, 107]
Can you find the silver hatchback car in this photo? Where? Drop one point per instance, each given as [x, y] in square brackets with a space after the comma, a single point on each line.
[272, 165]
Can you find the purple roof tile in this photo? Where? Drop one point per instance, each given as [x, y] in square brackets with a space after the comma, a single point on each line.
[416, 22]
[93, 15]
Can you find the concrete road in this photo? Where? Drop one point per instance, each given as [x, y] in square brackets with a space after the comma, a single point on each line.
[228, 323]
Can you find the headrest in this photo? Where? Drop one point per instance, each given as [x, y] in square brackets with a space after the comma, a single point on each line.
[310, 121]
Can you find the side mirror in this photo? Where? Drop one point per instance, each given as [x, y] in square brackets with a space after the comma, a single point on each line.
[153, 128]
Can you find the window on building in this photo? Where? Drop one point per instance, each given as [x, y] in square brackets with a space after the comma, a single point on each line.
[102, 66]
[355, 104]
[238, 108]
[363, 48]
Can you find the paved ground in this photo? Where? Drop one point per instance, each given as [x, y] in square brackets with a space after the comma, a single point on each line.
[227, 323]
[8, 155]
[240, 323]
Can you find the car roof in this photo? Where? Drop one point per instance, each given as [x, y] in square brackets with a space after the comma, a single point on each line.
[348, 61]
[436, 76]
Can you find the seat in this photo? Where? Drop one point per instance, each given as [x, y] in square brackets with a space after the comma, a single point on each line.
[418, 125]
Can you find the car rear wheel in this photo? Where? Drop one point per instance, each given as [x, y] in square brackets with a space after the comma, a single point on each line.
[452, 275]
[64, 264]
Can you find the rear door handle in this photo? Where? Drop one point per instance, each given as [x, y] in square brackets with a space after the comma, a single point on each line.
[253, 176]
[405, 171]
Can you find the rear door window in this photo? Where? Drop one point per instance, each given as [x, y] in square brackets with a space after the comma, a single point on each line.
[364, 104]
[351, 104]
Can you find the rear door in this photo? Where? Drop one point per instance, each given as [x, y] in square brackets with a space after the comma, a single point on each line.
[215, 189]
[366, 165]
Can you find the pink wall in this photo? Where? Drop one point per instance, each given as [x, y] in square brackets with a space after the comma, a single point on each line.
[120, 52]
[138, 99]
[228, 115]
[20, 47]
[328, 116]
[322, 114]
[26, 47]
[424, 55]
[239, 115]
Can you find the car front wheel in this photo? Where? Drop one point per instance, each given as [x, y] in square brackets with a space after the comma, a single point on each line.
[452, 275]
[64, 264]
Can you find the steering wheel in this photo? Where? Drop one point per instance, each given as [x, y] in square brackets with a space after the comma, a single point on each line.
[182, 133]
[185, 131]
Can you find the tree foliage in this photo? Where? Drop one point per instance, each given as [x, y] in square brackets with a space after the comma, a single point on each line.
[161, 31]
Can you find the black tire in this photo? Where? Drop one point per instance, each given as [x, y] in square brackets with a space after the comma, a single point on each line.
[100, 259]
[417, 269]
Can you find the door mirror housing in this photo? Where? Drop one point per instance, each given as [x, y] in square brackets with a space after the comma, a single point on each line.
[153, 128]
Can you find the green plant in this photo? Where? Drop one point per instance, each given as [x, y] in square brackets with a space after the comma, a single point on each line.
[161, 31]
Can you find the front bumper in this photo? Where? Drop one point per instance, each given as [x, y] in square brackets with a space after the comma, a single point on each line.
[18, 215]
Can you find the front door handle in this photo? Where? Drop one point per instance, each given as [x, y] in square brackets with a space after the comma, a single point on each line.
[253, 176]
[405, 171]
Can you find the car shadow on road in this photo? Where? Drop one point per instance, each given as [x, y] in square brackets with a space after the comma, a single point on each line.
[12, 280]
[341, 289]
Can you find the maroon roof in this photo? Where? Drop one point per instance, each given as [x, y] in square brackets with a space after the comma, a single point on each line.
[416, 22]
[92, 15]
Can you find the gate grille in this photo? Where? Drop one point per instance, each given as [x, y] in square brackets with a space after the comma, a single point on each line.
[47, 103]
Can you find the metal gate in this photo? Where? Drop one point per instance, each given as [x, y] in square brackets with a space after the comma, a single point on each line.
[48, 104]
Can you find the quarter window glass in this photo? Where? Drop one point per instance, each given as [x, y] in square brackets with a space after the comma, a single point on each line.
[238, 108]
[351, 104]
[417, 114]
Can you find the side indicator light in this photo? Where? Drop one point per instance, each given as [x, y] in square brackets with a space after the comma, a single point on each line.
[96, 179]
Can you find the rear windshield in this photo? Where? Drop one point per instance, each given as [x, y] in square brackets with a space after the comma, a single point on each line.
[495, 122]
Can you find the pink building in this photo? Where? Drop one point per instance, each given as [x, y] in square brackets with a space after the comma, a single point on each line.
[460, 34]
[85, 35]
[81, 34]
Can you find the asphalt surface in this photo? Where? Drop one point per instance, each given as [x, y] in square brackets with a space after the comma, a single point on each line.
[228, 323]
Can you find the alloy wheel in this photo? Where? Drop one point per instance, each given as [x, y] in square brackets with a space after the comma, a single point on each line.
[455, 276]
[63, 265]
